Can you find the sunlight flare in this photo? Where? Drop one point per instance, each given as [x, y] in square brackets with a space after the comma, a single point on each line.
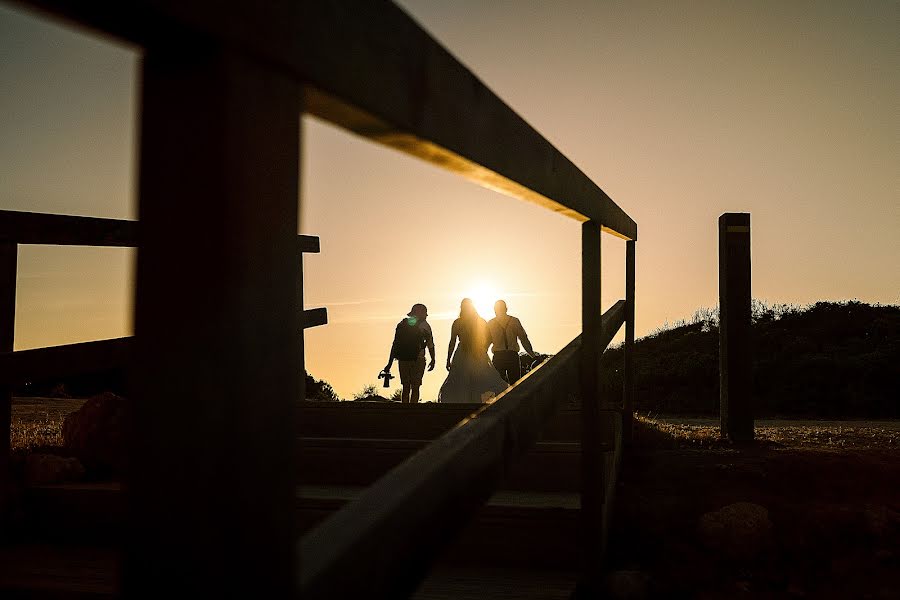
[483, 295]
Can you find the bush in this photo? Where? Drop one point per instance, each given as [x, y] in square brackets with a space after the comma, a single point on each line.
[319, 390]
[831, 359]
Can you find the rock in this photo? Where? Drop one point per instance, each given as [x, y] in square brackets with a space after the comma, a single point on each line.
[49, 468]
[740, 530]
[96, 434]
[627, 585]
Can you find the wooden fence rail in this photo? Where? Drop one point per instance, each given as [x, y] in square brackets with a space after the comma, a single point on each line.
[40, 364]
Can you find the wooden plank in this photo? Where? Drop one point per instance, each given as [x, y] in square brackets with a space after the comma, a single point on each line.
[548, 466]
[315, 317]
[628, 349]
[217, 353]
[591, 452]
[394, 420]
[735, 367]
[8, 266]
[66, 230]
[41, 364]
[390, 534]
[372, 69]
[309, 244]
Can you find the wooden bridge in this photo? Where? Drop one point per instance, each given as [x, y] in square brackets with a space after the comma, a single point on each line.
[389, 495]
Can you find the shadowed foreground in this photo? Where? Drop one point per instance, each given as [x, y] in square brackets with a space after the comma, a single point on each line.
[814, 511]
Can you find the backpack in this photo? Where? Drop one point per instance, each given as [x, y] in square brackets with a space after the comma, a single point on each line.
[408, 341]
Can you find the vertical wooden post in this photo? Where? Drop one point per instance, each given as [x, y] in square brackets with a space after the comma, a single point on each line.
[211, 482]
[591, 430]
[302, 332]
[628, 352]
[735, 368]
[8, 262]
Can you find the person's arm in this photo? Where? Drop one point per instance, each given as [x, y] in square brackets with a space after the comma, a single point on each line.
[429, 343]
[390, 363]
[452, 346]
[523, 337]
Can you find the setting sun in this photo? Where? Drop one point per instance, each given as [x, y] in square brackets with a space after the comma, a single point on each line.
[483, 295]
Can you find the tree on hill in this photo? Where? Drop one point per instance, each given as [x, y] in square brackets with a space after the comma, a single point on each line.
[319, 390]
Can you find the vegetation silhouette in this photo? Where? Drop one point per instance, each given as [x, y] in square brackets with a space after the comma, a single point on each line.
[829, 359]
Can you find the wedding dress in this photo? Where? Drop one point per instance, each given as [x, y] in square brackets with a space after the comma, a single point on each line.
[472, 378]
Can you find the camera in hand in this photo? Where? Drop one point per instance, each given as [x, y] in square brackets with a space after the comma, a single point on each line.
[386, 375]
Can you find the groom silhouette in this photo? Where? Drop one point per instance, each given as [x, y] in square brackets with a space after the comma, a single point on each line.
[506, 332]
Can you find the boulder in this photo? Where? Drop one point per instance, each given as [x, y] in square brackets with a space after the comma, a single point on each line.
[42, 469]
[96, 433]
[739, 531]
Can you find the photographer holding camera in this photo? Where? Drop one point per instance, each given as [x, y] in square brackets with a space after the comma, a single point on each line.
[412, 336]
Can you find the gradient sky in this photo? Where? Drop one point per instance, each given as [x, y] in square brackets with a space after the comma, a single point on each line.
[679, 111]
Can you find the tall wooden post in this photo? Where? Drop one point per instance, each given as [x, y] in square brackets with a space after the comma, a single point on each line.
[211, 483]
[8, 261]
[591, 430]
[628, 352]
[735, 368]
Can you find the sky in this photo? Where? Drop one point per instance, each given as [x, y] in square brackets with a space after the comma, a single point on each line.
[679, 111]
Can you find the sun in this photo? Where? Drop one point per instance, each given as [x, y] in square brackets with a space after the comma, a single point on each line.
[483, 295]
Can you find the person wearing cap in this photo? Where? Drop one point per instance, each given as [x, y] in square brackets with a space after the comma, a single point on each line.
[506, 332]
[411, 337]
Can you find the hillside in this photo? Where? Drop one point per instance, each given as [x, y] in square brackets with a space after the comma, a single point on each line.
[826, 360]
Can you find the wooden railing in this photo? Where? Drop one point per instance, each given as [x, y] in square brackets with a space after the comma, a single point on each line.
[57, 362]
[211, 491]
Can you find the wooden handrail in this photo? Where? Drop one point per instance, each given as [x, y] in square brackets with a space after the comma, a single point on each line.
[40, 364]
[389, 535]
[67, 230]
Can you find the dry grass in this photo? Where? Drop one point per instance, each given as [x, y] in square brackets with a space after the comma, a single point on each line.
[850, 435]
[37, 422]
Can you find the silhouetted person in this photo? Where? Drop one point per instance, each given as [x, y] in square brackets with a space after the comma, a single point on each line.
[411, 337]
[506, 332]
[471, 378]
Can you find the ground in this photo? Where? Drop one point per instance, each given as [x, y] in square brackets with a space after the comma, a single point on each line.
[830, 489]
[37, 422]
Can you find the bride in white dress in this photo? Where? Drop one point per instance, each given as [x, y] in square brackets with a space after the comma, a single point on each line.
[472, 378]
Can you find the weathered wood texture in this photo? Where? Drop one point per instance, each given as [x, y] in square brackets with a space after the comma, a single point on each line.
[216, 327]
[391, 533]
[735, 366]
[370, 68]
[628, 351]
[8, 260]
